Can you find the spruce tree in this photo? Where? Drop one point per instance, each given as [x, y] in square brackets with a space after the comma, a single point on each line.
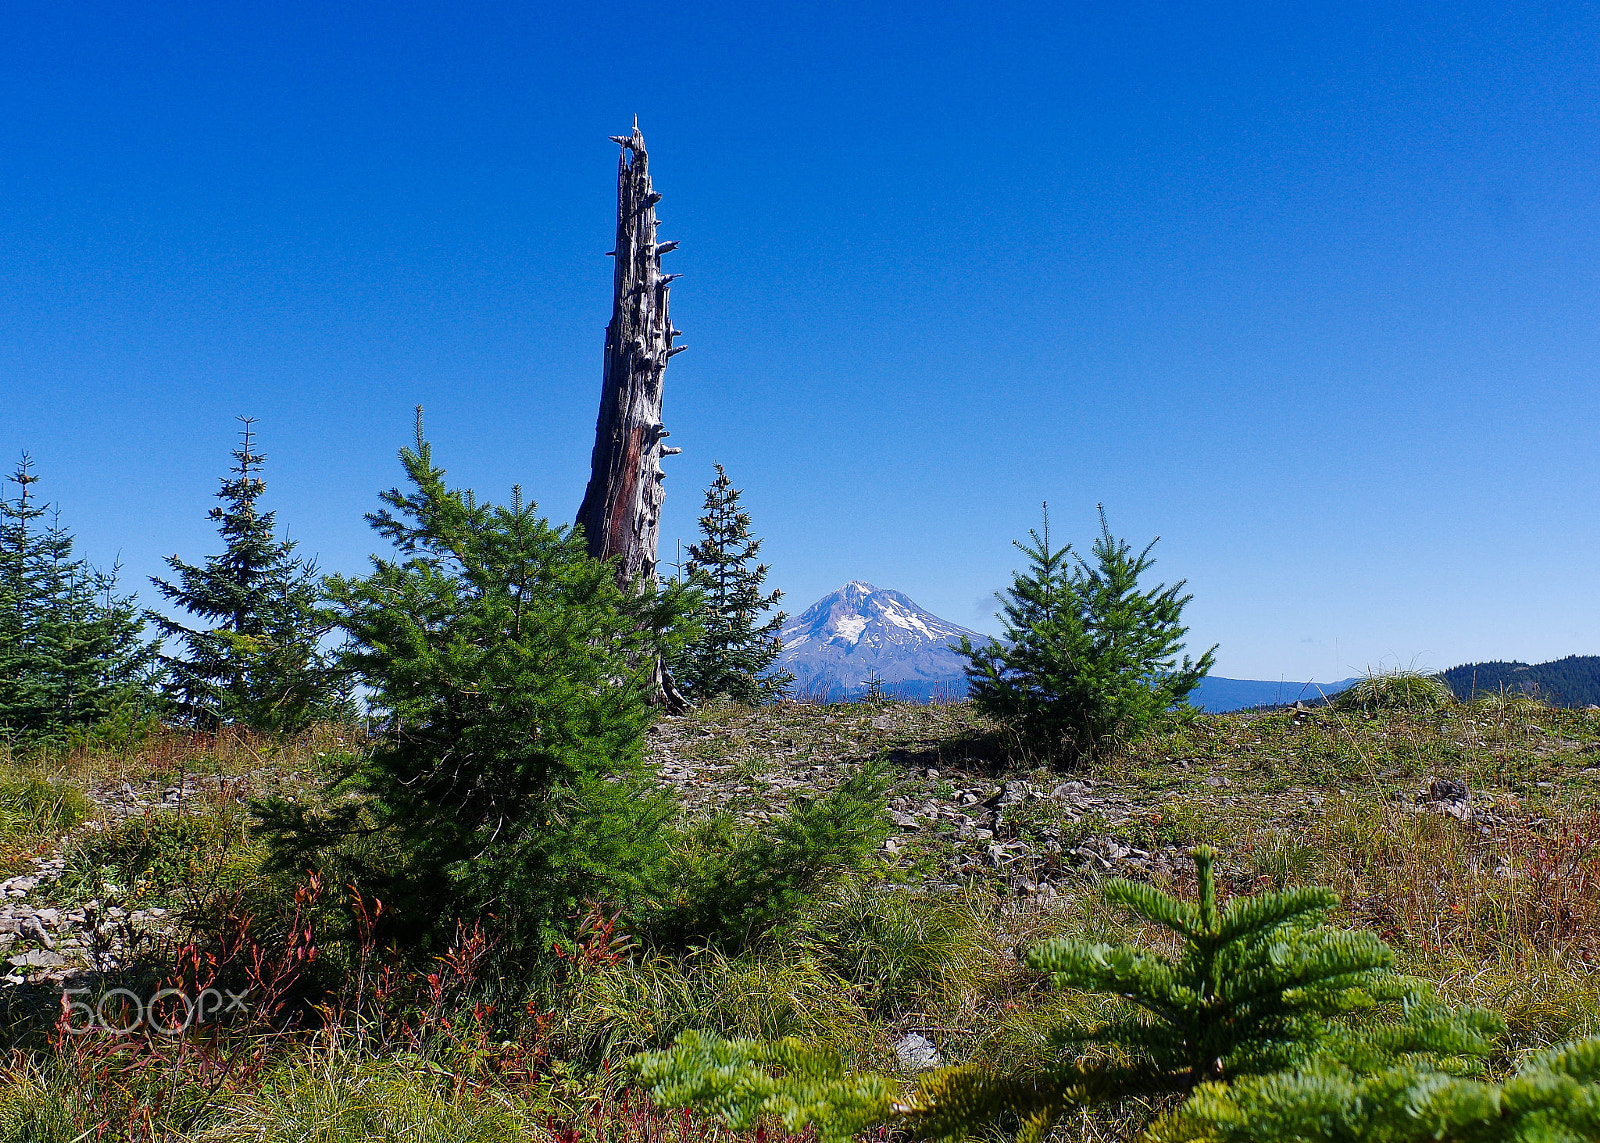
[732, 656]
[513, 674]
[71, 654]
[1088, 660]
[260, 663]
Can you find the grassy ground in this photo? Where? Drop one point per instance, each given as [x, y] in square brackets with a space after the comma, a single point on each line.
[1495, 896]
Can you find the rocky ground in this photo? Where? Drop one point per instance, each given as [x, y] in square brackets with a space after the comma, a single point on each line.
[960, 815]
[51, 929]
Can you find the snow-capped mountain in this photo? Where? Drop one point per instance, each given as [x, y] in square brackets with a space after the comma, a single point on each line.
[833, 646]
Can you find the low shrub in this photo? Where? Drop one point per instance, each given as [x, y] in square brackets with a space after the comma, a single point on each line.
[163, 857]
[728, 883]
[1396, 690]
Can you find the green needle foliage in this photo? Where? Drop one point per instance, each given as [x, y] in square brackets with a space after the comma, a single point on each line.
[1088, 661]
[744, 1081]
[1261, 984]
[513, 675]
[71, 652]
[1553, 1098]
[1253, 990]
[730, 883]
[731, 656]
[261, 663]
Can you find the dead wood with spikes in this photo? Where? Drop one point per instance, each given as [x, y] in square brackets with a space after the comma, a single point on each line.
[621, 512]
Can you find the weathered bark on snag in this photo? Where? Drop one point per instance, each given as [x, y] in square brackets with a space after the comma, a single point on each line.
[621, 511]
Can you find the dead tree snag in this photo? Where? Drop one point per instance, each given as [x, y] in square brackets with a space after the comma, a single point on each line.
[621, 510]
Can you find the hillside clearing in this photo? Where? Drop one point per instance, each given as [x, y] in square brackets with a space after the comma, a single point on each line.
[1467, 838]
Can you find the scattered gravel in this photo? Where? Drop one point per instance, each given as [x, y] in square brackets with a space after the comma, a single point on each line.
[44, 940]
[1029, 836]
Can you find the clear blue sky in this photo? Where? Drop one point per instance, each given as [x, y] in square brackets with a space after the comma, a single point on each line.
[1310, 290]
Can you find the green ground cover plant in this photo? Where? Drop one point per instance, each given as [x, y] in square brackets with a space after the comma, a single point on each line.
[164, 858]
[34, 811]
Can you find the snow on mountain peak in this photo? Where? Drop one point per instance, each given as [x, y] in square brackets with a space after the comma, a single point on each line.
[849, 628]
[860, 631]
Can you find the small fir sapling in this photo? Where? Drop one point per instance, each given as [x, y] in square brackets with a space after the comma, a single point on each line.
[260, 663]
[1263, 986]
[873, 688]
[512, 675]
[1088, 660]
[732, 656]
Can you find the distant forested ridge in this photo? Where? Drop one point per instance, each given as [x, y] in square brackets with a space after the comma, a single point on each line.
[1573, 681]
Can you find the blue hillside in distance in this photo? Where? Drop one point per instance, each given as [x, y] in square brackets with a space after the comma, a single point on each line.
[1215, 695]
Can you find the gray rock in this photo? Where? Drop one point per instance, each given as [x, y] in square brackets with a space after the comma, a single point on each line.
[916, 1051]
[1011, 793]
[1445, 790]
[38, 958]
[33, 927]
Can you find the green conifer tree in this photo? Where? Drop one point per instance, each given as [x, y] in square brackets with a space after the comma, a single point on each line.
[70, 648]
[513, 674]
[261, 662]
[732, 655]
[1088, 661]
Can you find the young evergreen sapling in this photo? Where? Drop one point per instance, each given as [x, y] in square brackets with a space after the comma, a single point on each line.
[261, 662]
[1088, 660]
[1262, 984]
[732, 655]
[512, 673]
